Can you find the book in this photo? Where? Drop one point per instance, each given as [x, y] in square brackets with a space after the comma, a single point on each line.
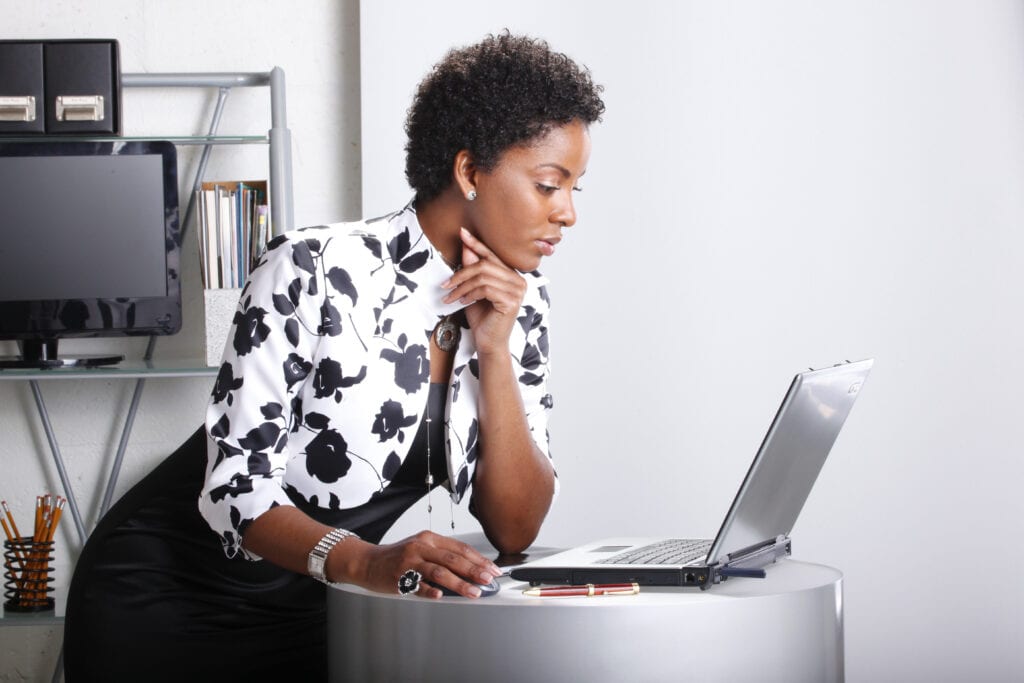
[234, 227]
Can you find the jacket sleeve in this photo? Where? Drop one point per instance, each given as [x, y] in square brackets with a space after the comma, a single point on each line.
[534, 367]
[273, 336]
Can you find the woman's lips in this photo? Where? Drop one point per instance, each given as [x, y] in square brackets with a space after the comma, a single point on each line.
[547, 247]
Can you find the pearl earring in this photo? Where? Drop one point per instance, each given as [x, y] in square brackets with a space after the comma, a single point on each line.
[471, 195]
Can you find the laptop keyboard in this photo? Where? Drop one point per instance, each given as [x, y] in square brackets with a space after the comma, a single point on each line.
[670, 551]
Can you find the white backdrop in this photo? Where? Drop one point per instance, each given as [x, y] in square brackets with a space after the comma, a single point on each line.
[778, 185]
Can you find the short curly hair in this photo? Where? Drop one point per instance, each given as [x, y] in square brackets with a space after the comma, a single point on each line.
[503, 91]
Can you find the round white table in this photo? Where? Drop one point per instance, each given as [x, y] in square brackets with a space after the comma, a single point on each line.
[786, 627]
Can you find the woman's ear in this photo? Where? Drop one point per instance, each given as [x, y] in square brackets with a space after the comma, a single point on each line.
[465, 172]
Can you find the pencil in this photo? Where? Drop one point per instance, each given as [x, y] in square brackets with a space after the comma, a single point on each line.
[39, 518]
[10, 539]
[7, 532]
[7, 511]
[44, 519]
[41, 573]
[54, 519]
[13, 555]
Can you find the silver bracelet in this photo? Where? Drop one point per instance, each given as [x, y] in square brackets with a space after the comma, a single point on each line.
[317, 561]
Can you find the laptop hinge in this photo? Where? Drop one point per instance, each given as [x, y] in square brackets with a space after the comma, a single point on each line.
[749, 562]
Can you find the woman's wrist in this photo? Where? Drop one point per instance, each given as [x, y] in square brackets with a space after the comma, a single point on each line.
[499, 358]
[346, 560]
[316, 561]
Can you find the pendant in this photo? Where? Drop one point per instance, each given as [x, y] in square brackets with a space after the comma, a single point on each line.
[447, 334]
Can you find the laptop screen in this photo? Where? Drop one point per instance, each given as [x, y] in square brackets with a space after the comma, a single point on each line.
[790, 458]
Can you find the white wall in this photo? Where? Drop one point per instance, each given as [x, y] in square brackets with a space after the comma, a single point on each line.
[778, 185]
[318, 49]
[775, 185]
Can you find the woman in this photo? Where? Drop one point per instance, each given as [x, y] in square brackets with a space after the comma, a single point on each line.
[371, 362]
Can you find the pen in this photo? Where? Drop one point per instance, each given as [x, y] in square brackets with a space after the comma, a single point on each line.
[587, 590]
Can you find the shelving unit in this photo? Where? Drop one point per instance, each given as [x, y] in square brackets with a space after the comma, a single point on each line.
[278, 140]
[282, 211]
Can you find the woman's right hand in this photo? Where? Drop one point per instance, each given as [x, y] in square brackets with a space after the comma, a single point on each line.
[441, 560]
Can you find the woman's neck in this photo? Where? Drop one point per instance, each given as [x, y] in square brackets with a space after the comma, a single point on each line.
[440, 219]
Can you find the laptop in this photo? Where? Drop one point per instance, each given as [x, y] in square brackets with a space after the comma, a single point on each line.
[755, 531]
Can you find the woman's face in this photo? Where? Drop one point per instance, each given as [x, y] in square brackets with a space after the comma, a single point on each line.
[523, 204]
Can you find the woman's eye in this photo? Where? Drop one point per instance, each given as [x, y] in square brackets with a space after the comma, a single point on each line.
[577, 188]
[547, 189]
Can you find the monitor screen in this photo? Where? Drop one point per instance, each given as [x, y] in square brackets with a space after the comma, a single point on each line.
[89, 239]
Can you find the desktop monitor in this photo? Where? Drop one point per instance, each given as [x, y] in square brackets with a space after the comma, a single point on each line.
[90, 245]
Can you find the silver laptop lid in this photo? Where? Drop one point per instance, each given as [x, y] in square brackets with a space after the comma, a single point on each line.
[790, 458]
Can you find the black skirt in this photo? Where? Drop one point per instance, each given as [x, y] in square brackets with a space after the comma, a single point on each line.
[154, 597]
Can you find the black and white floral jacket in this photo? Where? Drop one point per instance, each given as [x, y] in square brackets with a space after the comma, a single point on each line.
[326, 372]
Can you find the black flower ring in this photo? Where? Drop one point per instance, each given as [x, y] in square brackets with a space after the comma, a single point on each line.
[409, 582]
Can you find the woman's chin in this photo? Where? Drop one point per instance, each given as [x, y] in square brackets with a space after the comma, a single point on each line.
[528, 264]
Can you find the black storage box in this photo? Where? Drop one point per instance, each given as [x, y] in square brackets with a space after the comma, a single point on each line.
[60, 87]
[21, 87]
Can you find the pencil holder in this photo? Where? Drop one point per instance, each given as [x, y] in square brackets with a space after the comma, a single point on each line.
[28, 575]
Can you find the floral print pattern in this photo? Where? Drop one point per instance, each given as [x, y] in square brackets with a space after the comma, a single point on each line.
[321, 389]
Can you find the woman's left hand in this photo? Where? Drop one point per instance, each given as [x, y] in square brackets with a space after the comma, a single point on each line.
[493, 291]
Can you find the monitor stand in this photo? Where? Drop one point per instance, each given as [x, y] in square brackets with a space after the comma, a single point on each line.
[42, 353]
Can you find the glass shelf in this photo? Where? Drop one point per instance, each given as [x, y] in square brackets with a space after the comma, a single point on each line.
[175, 139]
[54, 617]
[160, 368]
[126, 369]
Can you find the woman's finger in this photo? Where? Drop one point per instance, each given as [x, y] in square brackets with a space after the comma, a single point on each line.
[502, 292]
[438, 578]
[482, 274]
[462, 561]
[474, 250]
[439, 560]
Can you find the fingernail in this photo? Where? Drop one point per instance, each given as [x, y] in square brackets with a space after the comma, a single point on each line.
[474, 591]
[447, 284]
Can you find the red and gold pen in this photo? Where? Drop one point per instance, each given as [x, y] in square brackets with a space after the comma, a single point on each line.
[588, 590]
